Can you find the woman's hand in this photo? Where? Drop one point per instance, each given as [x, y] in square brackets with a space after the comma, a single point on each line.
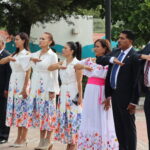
[35, 60]
[62, 67]
[56, 66]
[24, 94]
[79, 101]
[80, 67]
[51, 95]
[93, 59]
[88, 68]
[106, 104]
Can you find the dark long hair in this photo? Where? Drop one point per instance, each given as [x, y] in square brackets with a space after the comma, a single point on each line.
[77, 49]
[105, 44]
[24, 36]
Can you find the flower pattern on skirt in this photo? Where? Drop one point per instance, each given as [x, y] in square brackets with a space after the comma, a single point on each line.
[17, 107]
[97, 130]
[95, 141]
[68, 114]
[42, 110]
[68, 123]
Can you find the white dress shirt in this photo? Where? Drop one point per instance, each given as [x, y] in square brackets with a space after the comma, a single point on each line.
[1, 51]
[125, 54]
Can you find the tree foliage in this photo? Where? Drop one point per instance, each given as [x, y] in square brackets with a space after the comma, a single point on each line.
[133, 15]
[19, 15]
[128, 14]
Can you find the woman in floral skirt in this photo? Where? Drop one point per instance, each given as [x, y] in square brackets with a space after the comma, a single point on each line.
[44, 86]
[97, 131]
[17, 103]
[70, 99]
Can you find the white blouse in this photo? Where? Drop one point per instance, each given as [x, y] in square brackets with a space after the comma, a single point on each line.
[47, 59]
[98, 71]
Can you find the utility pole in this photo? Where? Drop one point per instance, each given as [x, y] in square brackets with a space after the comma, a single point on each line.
[108, 19]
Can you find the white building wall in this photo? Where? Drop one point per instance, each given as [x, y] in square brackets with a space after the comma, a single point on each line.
[63, 32]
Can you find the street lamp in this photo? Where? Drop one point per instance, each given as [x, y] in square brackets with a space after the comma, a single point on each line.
[108, 19]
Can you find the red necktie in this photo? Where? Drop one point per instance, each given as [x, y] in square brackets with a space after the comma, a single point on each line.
[146, 73]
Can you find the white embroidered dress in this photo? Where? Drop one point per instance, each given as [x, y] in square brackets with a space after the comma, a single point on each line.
[68, 114]
[42, 109]
[97, 131]
[16, 106]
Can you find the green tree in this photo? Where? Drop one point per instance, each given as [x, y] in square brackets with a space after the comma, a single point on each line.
[133, 15]
[130, 14]
[20, 15]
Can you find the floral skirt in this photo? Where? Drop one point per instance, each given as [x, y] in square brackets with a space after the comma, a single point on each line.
[68, 124]
[42, 113]
[17, 112]
[97, 130]
[97, 141]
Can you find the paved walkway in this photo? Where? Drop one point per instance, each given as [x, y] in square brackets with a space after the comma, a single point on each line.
[34, 136]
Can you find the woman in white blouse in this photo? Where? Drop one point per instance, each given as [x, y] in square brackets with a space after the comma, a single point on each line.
[44, 87]
[17, 102]
[97, 131]
[70, 98]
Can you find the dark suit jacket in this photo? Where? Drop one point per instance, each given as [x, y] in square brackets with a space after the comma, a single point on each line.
[127, 88]
[5, 72]
[145, 51]
[104, 60]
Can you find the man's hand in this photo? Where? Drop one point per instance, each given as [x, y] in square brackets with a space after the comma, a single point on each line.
[51, 95]
[10, 58]
[116, 61]
[146, 57]
[131, 108]
[5, 93]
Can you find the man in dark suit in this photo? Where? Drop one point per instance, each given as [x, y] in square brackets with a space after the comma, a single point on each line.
[5, 72]
[122, 87]
[145, 54]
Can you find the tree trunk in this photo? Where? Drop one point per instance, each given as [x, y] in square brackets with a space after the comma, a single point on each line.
[25, 27]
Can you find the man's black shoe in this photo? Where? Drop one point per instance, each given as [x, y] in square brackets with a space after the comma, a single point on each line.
[3, 141]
